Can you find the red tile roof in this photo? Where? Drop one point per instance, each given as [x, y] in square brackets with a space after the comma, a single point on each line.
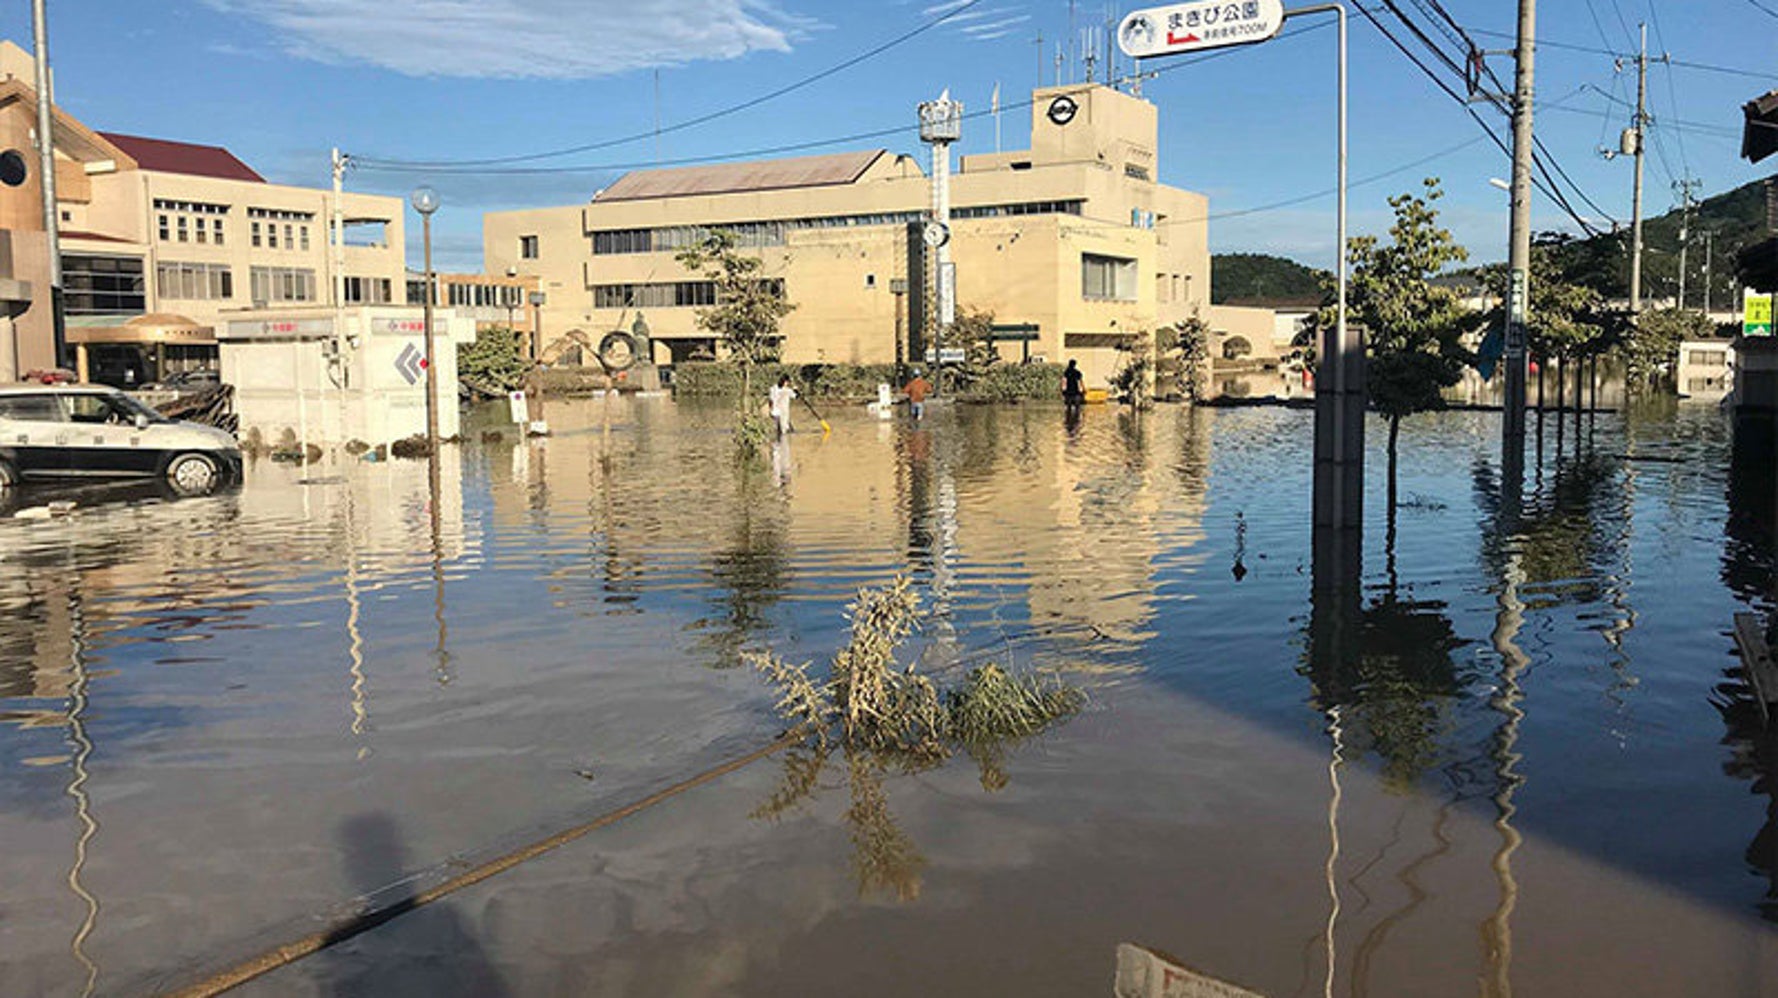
[162, 156]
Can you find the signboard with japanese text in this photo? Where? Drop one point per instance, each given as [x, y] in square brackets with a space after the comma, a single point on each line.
[1756, 314]
[1192, 27]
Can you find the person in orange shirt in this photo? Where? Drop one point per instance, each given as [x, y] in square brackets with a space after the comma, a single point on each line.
[916, 390]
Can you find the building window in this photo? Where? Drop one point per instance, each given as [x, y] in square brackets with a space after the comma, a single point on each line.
[202, 234]
[305, 232]
[527, 247]
[1107, 278]
[1135, 172]
[166, 229]
[282, 284]
[194, 281]
[289, 238]
[1710, 358]
[255, 239]
[179, 225]
[216, 231]
[103, 285]
[367, 290]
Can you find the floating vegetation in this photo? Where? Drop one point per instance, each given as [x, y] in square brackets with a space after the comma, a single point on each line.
[871, 703]
[883, 716]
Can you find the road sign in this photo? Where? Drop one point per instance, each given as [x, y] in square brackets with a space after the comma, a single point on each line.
[1756, 314]
[1191, 27]
[519, 406]
[410, 364]
[947, 293]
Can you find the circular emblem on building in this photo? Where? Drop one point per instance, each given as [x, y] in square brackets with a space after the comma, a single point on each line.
[13, 171]
[1063, 109]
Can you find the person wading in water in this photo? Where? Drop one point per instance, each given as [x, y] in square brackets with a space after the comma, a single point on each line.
[1073, 395]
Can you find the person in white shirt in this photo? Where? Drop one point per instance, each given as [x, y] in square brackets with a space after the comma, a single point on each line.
[781, 396]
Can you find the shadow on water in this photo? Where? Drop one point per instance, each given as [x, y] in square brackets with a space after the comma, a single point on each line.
[430, 952]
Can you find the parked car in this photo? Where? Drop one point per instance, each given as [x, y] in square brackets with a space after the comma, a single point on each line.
[91, 431]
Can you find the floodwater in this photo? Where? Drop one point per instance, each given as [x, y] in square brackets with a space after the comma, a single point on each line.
[229, 722]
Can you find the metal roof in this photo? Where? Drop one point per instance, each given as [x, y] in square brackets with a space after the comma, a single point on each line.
[733, 178]
[164, 156]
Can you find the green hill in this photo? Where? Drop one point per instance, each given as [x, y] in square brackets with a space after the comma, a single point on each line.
[1259, 275]
[1734, 219]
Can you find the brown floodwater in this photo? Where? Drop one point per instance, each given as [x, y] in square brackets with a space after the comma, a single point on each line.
[229, 722]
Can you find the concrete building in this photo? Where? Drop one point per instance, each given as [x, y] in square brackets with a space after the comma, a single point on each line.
[1073, 241]
[491, 300]
[1706, 368]
[162, 241]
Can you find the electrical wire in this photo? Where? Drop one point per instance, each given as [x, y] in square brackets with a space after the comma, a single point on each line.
[1672, 91]
[467, 168]
[704, 118]
[1763, 8]
[1547, 188]
[1751, 74]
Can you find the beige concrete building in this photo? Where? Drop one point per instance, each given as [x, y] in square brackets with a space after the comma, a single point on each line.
[1073, 240]
[179, 233]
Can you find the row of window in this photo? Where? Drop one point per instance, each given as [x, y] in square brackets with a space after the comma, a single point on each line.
[197, 222]
[1107, 278]
[194, 281]
[103, 285]
[292, 234]
[367, 290]
[673, 294]
[753, 235]
[484, 295]
[283, 284]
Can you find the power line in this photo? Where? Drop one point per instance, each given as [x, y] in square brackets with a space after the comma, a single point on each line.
[1751, 74]
[1672, 92]
[474, 168]
[1763, 7]
[701, 119]
[1547, 186]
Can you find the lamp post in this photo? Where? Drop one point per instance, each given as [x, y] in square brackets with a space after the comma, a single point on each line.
[537, 300]
[425, 201]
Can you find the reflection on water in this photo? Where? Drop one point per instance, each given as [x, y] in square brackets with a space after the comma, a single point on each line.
[1509, 750]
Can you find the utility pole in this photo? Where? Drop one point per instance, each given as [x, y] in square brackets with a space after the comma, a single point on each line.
[1684, 188]
[1636, 135]
[46, 152]
[1518, 293]
[1709, 246]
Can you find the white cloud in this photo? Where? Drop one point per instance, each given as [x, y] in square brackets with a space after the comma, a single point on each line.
[558, 39]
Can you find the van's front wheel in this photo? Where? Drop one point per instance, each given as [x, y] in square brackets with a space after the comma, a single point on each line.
[192, 474]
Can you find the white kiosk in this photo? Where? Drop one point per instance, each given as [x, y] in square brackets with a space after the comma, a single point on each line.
[330, 377]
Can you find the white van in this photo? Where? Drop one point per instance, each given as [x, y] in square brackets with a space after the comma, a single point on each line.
[91, 431]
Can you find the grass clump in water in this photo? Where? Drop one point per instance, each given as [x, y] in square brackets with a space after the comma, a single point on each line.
[871, 703]
[880, 716]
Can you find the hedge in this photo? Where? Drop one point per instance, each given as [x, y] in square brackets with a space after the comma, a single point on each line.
[995, 383]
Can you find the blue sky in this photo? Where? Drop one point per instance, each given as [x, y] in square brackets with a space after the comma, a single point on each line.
[281, 81]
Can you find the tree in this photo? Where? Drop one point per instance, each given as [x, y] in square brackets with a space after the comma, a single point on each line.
[1184, 358]
[1133, 382]
[747, 311]
[1652, 347]
[1414, 328]
[492, 365]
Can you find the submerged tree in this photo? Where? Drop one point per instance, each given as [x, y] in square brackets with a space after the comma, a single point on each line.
[745, 318]
[1652, 349]
[1414, 328]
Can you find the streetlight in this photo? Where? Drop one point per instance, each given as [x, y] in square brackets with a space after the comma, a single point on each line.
[425, 201]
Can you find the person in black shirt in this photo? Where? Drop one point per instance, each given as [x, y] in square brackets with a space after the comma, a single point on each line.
[1072, 392]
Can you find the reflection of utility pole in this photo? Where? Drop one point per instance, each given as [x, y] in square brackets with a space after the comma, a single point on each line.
[1709, 246]
[1333, 841]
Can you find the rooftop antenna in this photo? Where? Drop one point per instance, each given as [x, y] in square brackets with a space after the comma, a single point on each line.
[1059, 61]
[657, 117]
[1089, 44]
[1073, 40]
[1039, 44]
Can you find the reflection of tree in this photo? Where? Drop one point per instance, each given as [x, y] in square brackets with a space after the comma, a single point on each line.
[1748, 539]
[1754, 757]
[749, 572]
[1559, 541]
[1387, 670]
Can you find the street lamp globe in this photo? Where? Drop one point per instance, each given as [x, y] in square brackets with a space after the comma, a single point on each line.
[424, 200]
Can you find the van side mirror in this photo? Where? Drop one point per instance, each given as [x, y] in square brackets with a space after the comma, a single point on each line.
[141, 421]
